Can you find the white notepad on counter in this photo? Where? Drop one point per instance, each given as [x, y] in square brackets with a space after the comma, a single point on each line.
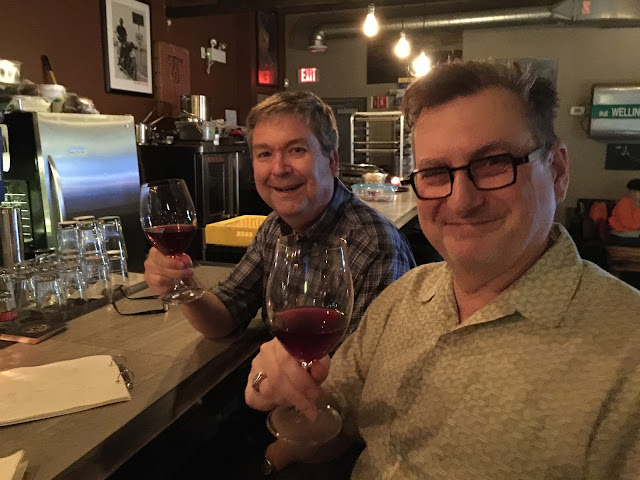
[13, 466]
[32, 393]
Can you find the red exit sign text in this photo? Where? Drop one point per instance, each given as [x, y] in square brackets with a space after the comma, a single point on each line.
[307, 75]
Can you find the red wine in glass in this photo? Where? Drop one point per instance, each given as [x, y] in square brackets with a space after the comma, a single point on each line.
[309, 298]
[171, 239]
[309, 333]
[168, 218]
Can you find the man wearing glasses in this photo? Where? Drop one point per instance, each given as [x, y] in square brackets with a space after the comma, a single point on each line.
[513, 358]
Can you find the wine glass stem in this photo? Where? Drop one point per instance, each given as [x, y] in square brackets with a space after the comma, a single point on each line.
[307, 366]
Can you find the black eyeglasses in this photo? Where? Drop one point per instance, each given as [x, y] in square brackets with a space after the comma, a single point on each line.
[143, 308]
[489, 173]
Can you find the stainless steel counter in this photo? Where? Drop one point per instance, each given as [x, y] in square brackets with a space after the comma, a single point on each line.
[174, 367]
[400, 210]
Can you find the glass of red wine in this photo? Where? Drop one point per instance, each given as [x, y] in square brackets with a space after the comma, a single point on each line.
[309, 299]
[168, 218]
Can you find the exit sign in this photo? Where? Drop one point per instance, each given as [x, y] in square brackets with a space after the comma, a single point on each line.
[307, 75]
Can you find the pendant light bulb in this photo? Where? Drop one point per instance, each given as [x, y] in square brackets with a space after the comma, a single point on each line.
[402, 48]
[421, 65]
[370, 27]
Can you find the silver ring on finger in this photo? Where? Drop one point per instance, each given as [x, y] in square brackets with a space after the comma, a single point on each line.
[255, 381]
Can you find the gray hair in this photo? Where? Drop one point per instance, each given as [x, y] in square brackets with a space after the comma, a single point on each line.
[318, 115]
[450, 80]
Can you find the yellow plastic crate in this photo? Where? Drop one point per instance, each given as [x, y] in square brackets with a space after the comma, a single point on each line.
[235, 232]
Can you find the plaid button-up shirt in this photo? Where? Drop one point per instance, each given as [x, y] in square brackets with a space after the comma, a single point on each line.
[378, 254]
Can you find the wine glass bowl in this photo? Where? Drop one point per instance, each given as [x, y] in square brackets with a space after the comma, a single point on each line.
[309, 299]
[168, 218]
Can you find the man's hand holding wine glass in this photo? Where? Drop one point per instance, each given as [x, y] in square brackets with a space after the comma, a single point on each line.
[168, 219]
[161, 270]
[160, 273]
[285, 382]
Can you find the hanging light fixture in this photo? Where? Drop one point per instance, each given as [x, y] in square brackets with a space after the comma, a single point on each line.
[421, 64]
[370, 26]
[402, 48]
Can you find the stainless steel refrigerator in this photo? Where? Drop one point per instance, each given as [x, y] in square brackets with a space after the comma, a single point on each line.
[64, 165]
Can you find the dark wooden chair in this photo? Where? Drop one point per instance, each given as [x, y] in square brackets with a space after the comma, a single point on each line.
[590, 237]
[623, 259]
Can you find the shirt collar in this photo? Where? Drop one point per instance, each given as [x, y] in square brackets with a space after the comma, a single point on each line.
[327, 220]
[542, 294]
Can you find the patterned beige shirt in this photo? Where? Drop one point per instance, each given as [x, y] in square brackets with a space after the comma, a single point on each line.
[543, 383]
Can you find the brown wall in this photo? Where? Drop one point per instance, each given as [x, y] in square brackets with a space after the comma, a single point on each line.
[69, 33]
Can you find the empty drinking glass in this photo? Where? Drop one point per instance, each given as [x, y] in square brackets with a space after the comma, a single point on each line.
[24, 285]
[110, 229]
[45, 256]
[8, 310]
[48, 291]
[68, 239]
[74, 289]
[94, 260]
[84, 218]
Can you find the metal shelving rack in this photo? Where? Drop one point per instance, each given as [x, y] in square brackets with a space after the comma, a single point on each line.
[380, 138]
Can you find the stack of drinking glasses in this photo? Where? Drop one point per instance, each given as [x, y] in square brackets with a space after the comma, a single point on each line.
[90, 260]
[93, 258]
[8, 310]
[110, 229]
[33, 285]
[98, 248]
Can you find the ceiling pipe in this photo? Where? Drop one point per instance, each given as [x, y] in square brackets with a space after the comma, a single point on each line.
[492, 18]
[610, 13]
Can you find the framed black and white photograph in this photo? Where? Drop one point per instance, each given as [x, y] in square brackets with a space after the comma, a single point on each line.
[126, 38]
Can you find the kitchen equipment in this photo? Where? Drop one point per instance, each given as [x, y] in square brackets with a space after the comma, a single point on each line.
[3, 136]
[9, 72]
[197, 105]
[54, 94]
[381, 138]
[161, 117]
[188, 130]
[142, 133]
[149, 114]
[188, 117]
[27, 103]
[74, 164]
[11, 242]
[374, 177]
[374, 192]
[219, 179]
[350, 174]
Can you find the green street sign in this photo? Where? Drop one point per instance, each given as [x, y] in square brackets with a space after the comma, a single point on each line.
[618, 112]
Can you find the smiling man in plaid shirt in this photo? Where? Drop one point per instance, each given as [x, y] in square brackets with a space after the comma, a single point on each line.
[294, 140]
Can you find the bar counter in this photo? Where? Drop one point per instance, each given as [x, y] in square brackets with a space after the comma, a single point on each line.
[400, 210]
[174, 366]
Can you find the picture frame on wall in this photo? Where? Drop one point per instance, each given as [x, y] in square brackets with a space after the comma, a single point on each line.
[126, 41]
[267, 38]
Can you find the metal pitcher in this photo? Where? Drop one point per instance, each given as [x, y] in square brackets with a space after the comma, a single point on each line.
[11, 242]
[142, 133]
[197, 105]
